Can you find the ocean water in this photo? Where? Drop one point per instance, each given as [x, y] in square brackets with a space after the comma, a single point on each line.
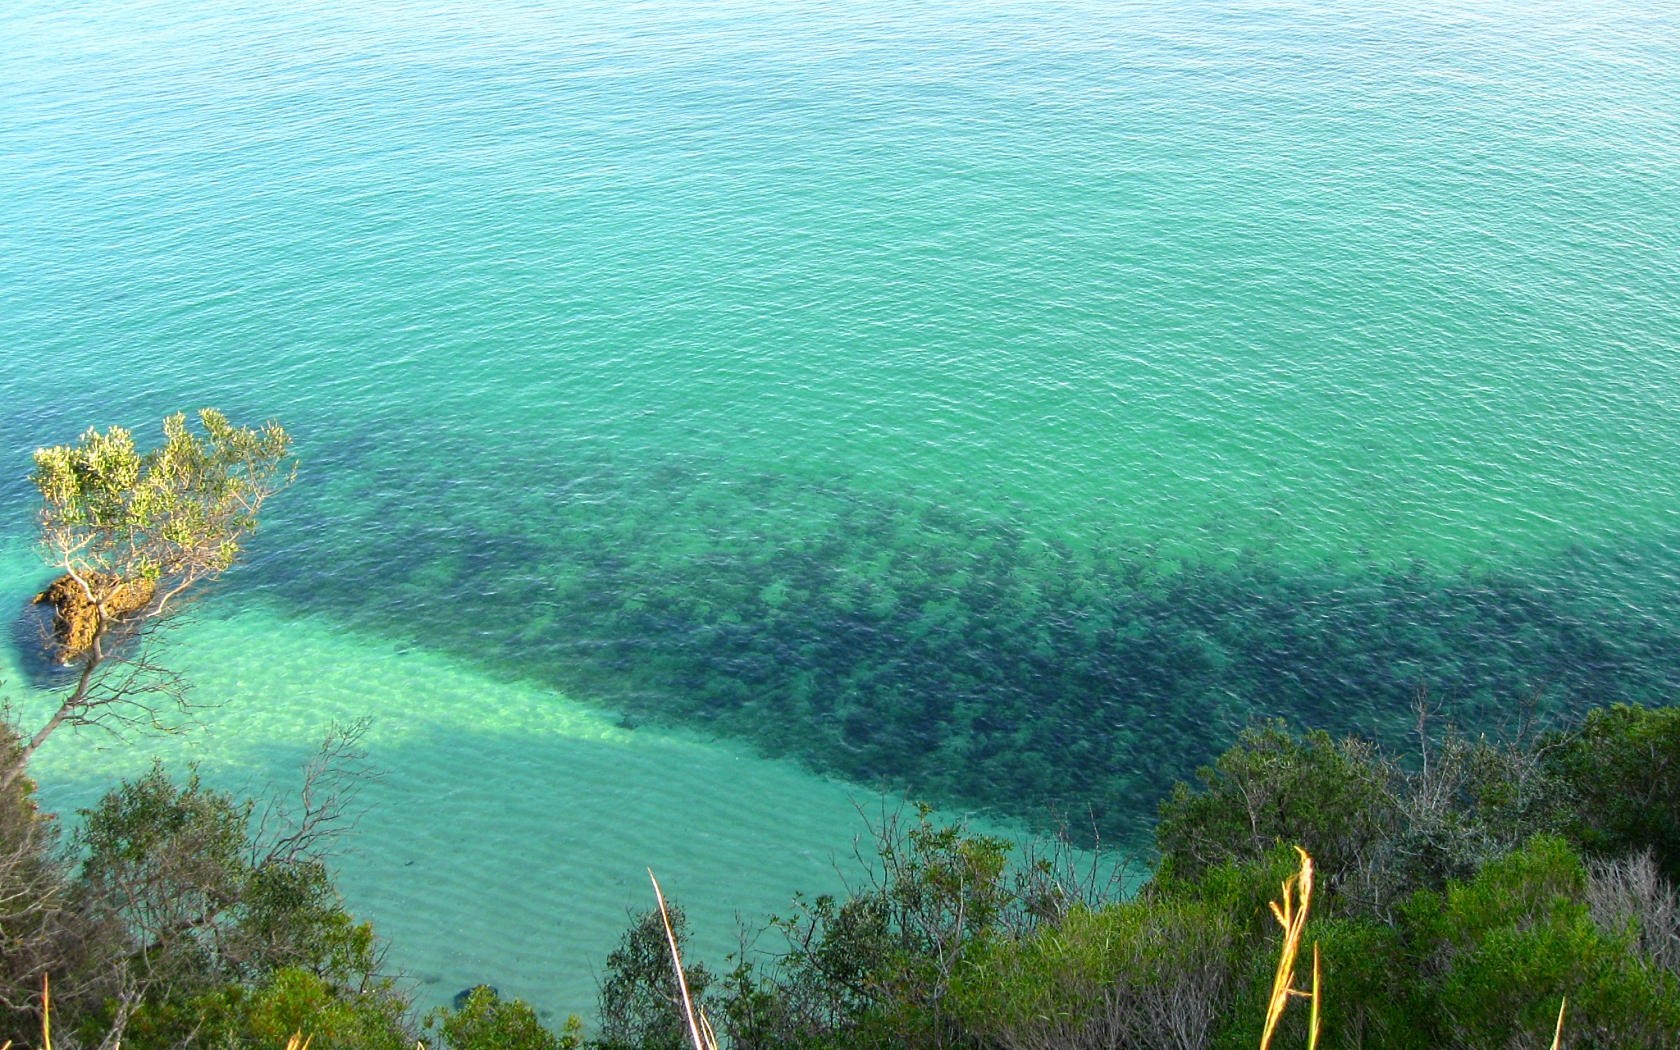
[712, 413]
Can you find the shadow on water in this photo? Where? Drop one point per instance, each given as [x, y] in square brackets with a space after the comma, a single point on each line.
[954, 654]
[30, 634]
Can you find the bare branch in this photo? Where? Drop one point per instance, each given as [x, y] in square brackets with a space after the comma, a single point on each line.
[326, 807]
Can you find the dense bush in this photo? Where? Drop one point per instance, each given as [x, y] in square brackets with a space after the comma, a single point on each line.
[1154, 971]
[223, 935]
[1623, 768]
[41, 929]
[1465, 891]
[486, 1021]
[640, 1006]
[1332, 797]
[1455, 910]
[170, 921]
[266, 1012]
[1500, 952]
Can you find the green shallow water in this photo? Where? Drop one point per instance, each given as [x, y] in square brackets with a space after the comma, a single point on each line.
[1004, 402]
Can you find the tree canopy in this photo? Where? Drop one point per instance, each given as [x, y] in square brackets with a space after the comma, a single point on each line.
[133, 535]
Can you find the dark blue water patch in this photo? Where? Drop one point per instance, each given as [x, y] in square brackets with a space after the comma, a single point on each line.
[29, 634]
[949, 652]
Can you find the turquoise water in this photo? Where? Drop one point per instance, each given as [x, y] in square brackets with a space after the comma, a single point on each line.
[1002, 402]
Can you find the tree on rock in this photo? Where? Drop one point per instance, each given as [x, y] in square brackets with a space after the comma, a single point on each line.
[134, 537]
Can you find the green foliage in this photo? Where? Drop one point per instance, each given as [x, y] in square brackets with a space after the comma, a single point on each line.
[1373, 996]
[1500, 952]
[265, 1014]
[1447, 921]
[40, 931]
[182, 508]
[167, 861]
[877, 968]
[295, 1000]
[1623, 766]
[1242, 890]
[1273, 787]
[640, 1005]
[488, 1022]
[133, 536]
[290, 915]
[1153, 971]
[221, 942]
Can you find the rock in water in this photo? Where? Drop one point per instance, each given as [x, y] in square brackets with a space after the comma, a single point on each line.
[76, 620]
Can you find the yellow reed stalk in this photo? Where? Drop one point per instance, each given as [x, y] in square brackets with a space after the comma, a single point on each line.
[703, 1039]
[1292, 916]
[46, 1013]
[299, 1041]
[1312, 1028]
[1557, 1037]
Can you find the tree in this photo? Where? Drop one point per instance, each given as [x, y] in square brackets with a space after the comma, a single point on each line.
[1330, 796]
[135, 536]
[486, 1021]
[877, 969]
[1623, 767]
[640, 1004]
[221, 923]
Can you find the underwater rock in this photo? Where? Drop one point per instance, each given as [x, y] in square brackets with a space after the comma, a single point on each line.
[76, 618]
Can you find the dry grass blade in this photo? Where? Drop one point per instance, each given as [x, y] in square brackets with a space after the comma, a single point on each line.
[1557, 1037]
[1291, 914]
[702, 1036]
[1312, 1027]
[46, 1013]
[299, 1041]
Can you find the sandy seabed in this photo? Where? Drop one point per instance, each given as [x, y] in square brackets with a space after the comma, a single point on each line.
[513, 827]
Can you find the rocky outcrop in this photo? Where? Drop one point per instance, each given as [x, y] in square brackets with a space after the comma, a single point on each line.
[76, 620]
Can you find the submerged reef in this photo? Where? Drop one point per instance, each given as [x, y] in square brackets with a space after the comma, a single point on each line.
[957, 655]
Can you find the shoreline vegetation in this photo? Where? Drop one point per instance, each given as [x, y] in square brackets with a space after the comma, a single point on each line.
[1462, 892]
[1463, 888]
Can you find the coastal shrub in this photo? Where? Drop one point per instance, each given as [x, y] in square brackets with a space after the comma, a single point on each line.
[1371, 998]
[1623, 766]
[1371, 990]
[167, 861]
[1331, 797]
[42, 931]
[134, 538]
[295, 1000]
[1423, 943]
[1629, 897]
[290, 915]
[1379, 825]
[220, 936]
[877, 969]
[177, 864]
[486, 1021]
[1148, 973]
[1500, 952]
[640, 1004]
[1462, 802]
